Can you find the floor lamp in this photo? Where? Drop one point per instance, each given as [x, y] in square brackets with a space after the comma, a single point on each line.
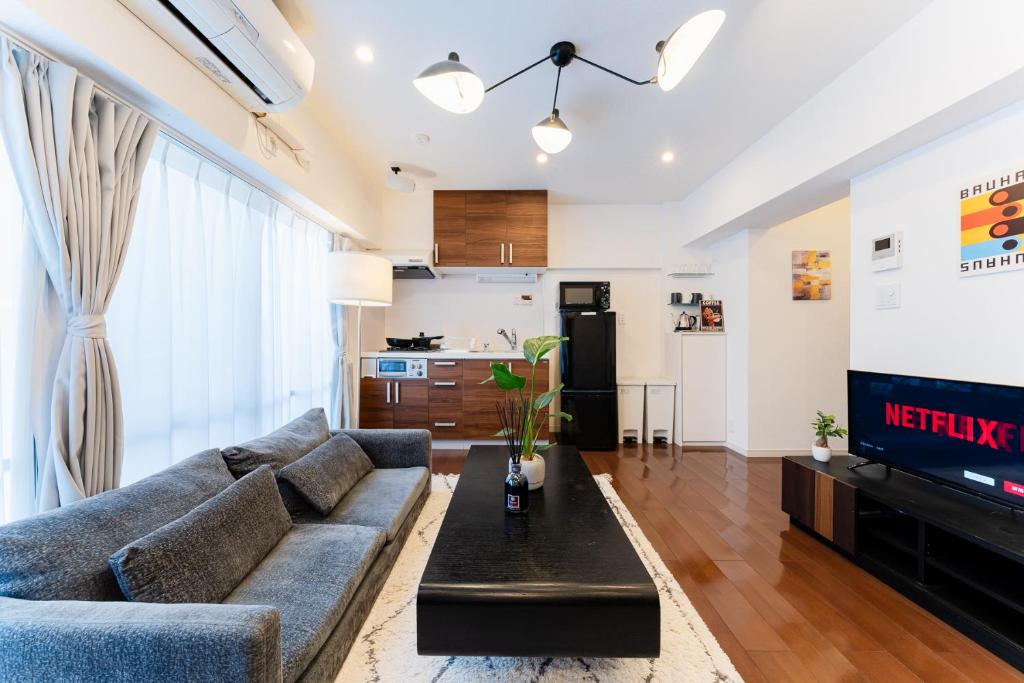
[357, 278]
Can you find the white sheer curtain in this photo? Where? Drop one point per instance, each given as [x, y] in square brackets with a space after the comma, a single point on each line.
[219, 324]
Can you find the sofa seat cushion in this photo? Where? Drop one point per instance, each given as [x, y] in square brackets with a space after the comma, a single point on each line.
[63, 554]
[310, 577]
[280, 447]
[382, 499]
[324, 475]
[203, 555]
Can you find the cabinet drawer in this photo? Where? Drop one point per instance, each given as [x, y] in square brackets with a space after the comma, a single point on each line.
[446, 427]
[444, 369]
[446, 395]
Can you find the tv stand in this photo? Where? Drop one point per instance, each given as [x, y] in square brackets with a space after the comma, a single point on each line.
[959, 556]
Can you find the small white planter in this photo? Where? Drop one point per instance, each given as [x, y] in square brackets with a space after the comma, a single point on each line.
[821, 454]
[533, 469]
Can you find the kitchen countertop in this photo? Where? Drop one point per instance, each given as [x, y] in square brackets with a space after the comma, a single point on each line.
[449, 355]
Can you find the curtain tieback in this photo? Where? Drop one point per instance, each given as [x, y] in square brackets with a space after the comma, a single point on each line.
[87, 326]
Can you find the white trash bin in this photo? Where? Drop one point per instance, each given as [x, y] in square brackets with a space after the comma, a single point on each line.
[631, 410]
[660, 398]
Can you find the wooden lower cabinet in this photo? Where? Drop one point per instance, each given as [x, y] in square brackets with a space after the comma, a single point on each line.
[452, 403]
[375, 408]
[411, 404]
[393, 404]
[820, 502]
[480, 416]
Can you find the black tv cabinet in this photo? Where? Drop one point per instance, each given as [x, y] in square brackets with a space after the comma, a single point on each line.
[957, 555]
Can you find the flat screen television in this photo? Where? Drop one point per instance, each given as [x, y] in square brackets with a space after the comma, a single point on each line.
[966, 434]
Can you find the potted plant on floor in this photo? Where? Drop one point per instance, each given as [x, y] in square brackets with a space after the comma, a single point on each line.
[824, 427]
[535, 408]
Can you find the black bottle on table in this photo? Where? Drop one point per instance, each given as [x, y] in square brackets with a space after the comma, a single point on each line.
[517, 491]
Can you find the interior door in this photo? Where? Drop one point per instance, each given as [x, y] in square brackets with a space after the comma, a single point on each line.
[527, 228]
[376, 410]
[450, 227]
[588, 358]
[411, 404]
[486, 228]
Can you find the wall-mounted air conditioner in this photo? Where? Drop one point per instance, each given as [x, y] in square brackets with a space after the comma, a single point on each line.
[246, 46]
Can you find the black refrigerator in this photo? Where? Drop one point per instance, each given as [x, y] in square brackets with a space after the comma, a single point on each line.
[588, 373]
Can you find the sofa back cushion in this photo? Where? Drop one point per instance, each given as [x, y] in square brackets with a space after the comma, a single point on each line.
[203, 555]
[324, 475]
[63, 554]
[280, 447]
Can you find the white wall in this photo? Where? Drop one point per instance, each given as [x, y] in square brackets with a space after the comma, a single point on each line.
[947, 326]
[104, 40]
[731, 284]
[798, 349]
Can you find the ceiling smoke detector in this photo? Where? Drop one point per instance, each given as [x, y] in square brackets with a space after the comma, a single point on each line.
[398, 182]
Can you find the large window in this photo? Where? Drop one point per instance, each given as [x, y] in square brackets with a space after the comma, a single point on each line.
[218, 324]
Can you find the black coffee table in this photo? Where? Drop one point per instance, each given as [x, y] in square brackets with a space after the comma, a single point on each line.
[563, 580]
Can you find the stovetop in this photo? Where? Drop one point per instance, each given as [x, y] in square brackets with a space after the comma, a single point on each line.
[392, 349]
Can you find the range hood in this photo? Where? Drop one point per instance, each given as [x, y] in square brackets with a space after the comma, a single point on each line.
[411, 265]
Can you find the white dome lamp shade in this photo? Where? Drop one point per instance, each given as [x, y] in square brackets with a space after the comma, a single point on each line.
[451, 85]
[356, 278]
[551, 134]
[680, 52]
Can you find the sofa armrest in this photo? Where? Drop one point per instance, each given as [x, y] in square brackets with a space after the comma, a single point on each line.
[389, 448]
[136, 641]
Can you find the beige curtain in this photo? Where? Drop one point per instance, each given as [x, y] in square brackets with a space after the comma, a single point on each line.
[78, 158]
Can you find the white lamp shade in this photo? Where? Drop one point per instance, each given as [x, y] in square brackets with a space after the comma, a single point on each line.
[551, 134]
[451, 85]
[685, 46]
[357, 278]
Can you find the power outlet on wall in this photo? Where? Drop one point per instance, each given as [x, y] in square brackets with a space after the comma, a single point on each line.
[621, 317]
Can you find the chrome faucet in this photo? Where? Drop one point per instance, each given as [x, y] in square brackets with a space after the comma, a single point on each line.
[513, 341]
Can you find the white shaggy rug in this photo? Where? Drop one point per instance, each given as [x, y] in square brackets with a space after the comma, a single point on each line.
[385, 650]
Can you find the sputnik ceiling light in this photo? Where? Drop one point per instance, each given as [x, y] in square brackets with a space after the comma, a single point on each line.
[454, 87]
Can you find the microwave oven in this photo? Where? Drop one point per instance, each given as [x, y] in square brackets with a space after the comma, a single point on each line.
[584, 296]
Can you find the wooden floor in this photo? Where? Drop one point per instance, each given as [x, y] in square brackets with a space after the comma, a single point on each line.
[782, 605]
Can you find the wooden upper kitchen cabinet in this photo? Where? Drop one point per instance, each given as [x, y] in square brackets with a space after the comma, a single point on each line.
[449, 228]
[486, 228]
[491, 228]
[527, 224]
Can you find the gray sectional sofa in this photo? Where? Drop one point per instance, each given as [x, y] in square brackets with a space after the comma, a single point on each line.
[294, 616]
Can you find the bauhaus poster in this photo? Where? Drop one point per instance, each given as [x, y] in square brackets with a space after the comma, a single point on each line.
[992, 225]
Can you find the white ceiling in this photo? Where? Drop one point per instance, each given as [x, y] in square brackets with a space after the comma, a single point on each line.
[770, 56]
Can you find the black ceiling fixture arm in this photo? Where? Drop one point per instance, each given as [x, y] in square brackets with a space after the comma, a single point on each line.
[615, 73]
[558, 79]
[519, 73]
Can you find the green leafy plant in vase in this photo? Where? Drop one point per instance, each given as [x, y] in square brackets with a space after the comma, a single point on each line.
[824, 427]
[535, 408]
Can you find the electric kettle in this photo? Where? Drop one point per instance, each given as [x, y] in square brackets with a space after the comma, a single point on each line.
[686, 322]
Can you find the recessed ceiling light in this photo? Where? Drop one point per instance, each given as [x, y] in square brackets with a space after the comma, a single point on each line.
[668, 156]
[364, 54]
[542, 158]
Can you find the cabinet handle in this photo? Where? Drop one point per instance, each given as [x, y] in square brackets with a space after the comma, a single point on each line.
[397, 399]
[444, 384]
[387, 389]
[435, 253]
[449, 363]
[444, 424]
[503, 252]
[510, 253]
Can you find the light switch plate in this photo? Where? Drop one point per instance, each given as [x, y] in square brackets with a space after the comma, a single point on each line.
[524, 300]
[621, 317]
[887, 295]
